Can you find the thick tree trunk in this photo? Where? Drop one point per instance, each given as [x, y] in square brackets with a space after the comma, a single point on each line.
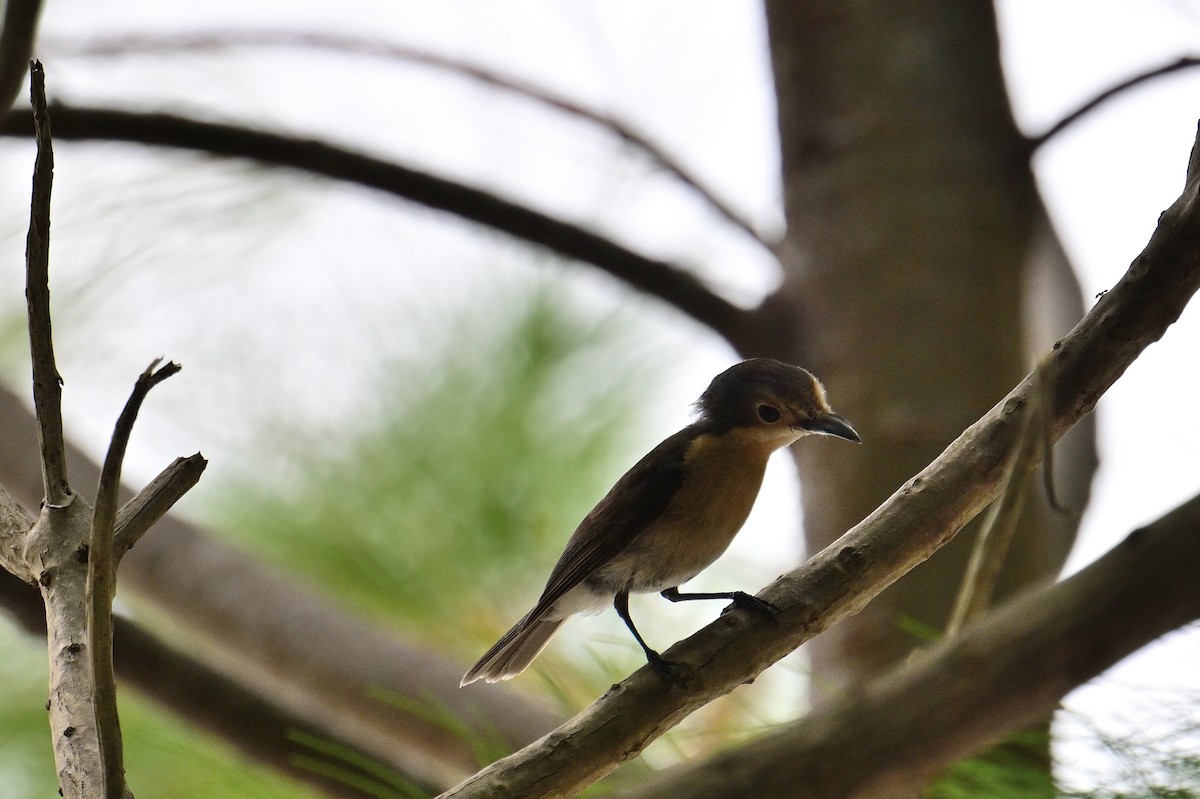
[912, 217]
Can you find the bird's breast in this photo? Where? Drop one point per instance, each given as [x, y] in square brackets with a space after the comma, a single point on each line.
[722, 476]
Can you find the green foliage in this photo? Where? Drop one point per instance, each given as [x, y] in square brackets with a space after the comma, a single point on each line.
[1016, 768]
[447, 493]
[162, 756]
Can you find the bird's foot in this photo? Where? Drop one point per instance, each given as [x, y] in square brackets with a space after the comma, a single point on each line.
[750, 602]
[670, 671]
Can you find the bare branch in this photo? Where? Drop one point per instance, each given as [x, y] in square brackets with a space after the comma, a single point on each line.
[907, 528]
[1009, 670]
[660, 279]
[1108, 94]
[354, 45]
[16, 47]
[101, 583]
[1000, 524]
[153, 501]
[47, 383]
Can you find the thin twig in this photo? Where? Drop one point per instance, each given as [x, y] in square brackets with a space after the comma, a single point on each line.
[47, 383]
[101, 584]
[996, 532]
[153, 501]
[1106, 95]
[661, 279]
[16, 47]
[124, 44]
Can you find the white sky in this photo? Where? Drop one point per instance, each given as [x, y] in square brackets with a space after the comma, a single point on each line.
[693, 76]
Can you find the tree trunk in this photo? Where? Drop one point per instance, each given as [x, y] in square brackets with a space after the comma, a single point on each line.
[912, 223]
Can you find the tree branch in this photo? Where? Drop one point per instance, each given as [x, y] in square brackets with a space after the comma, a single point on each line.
[907, 528]
[101, 584]
[16, 47]
[15, 525]
[1009, 670]
[660, 279]
[1091, 105]
[47, 383]
[152, 502]
[354, 45]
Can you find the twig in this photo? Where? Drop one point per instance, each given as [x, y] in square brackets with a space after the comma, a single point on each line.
[153, 501]
[1091, 105]
[668, 282]
[101, 584]
[47, 383]
[120, 45]
[996, 532]
[16, 46]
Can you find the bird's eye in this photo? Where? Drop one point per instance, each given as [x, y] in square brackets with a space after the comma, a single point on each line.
[769, 413]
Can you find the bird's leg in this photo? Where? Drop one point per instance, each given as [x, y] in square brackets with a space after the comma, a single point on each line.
[740, 599]
[669, 670]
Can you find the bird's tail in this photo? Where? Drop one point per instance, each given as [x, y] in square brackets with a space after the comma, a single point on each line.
[515, 650]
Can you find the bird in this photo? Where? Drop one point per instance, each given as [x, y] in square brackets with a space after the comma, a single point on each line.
[675, 511]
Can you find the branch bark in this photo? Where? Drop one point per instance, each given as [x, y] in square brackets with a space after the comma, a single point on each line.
[912, 524]
[47, 382]
[965, 693]
[660, 279]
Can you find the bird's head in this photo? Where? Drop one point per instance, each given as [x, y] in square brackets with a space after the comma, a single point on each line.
[779, 401]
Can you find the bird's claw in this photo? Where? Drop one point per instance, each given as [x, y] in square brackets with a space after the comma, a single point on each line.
[669, 670]
[750, 602]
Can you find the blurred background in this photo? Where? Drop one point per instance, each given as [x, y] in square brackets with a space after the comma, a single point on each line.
[407, 413]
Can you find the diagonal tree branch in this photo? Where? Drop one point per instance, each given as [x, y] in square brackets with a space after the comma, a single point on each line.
[1103, 97]
[153, 501]
[660, 279]
[1010, 670]
[356, 45]
[907, 528]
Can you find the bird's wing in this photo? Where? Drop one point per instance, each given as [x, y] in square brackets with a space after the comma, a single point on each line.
[631, 506]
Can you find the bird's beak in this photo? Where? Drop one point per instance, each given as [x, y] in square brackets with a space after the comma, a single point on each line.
[834, 425]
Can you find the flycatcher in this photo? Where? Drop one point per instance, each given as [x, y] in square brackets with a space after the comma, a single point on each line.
[676, 511]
